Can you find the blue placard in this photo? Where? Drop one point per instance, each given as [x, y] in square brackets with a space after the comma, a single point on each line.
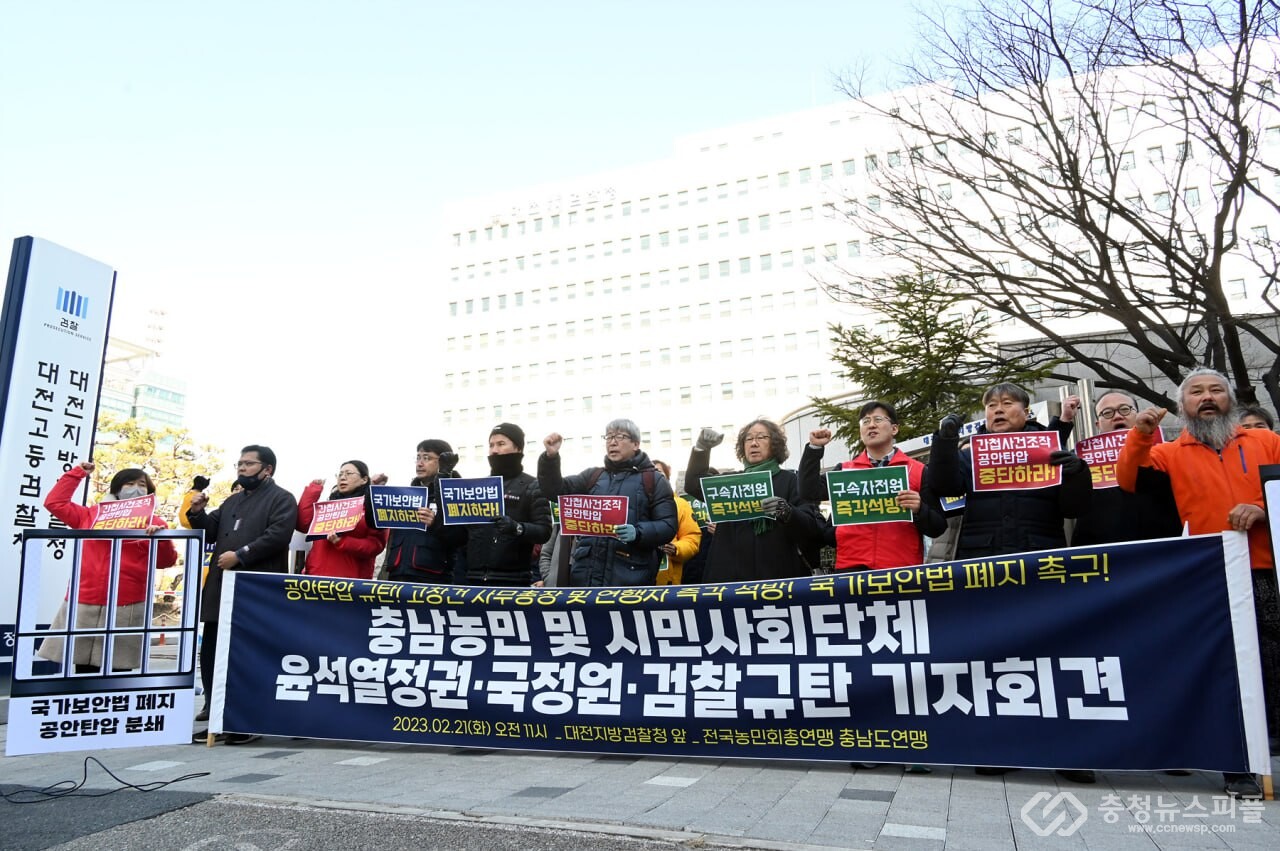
[1128, 657]
[397, 507]
[471, 500]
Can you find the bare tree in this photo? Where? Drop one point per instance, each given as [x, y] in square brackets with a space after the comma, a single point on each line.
[1114, 159]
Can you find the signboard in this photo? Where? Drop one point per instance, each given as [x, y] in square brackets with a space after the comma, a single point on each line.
[868, 495]
[592, 515]
[144, 694]
[335, 516]
[1101, 453]
[57, 309]
[736, 496]
[397, 507]
[471, 500]
[1015, 461]
[123, 514]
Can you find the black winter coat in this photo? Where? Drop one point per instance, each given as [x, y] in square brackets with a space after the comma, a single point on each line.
[434, 554]
[495, 557]
[1000, 522]
[741, 555]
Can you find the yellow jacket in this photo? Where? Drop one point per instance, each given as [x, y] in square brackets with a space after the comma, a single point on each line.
[687, 541]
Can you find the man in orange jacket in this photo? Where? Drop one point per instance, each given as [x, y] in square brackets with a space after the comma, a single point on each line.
[1213, 469]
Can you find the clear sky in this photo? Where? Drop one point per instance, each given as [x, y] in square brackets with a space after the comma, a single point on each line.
[270, 173]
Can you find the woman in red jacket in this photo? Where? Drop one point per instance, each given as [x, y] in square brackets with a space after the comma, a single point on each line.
[348, 554]
[95, 572]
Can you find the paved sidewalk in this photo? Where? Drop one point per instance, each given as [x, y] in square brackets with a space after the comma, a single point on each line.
[745, 803]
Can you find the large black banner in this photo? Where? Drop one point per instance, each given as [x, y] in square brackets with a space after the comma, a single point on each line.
[1134, 656]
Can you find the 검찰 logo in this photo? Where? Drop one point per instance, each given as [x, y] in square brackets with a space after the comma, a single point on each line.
[70, 301]
[1061, 814]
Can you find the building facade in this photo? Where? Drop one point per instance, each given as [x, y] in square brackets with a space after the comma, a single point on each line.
[689, 291]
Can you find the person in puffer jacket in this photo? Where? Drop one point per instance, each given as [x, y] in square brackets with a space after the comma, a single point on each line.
[632, 555]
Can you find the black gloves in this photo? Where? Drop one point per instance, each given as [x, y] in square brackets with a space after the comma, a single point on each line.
[777, 508]
[507, 526]
[949, 428]
[1071, 464]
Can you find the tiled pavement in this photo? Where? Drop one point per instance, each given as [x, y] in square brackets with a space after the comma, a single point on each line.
[743, 802]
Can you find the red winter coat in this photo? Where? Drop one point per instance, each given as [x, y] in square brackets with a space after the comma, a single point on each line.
[880, 546]
[95, 561]
[352, 557]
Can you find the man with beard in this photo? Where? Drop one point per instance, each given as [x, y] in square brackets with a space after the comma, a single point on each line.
[632, 555]
[501, 553]
[251, 530]
[1116, 515]
[1213, 470]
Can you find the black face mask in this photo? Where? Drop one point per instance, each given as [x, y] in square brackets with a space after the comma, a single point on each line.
[248, 482]
[506, 465]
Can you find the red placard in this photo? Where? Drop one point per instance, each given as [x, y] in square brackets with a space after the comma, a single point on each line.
[1101, 452]
[336, 515]
[120, 514]
[1015, 461]
[591, 514]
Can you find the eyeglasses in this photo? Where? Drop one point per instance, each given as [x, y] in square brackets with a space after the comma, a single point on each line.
[1122, 410]
[245, 465]
[616, 438]
[346, 474]
[756, 438]
[873, 419]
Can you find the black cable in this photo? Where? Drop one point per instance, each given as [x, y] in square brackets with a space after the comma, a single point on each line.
[71, 788]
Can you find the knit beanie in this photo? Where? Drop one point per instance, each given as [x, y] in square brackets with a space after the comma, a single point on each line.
[512, 432]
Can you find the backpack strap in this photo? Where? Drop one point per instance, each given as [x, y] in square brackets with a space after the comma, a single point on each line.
[648, 480]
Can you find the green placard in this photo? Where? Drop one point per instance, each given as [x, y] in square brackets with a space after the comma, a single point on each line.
[867, 495]
[736, 496]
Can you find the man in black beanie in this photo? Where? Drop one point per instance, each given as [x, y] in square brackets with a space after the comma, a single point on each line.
[501, 553]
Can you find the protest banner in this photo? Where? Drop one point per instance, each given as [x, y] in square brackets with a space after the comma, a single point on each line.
[125, 514]
[592, 515]
[881, 666]
[1015, 461]
[1102, 451]
[335, 516]
[397, 507]
[472, 501]
[867, 495]
[736, 496]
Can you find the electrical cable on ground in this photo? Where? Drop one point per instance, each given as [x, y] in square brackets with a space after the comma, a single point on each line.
[71, 788]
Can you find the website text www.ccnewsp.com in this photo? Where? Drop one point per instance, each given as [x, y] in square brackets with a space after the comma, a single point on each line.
[1182, 828]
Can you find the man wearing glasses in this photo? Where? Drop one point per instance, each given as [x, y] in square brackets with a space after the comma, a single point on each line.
[876, 546]
[251, 530]
[1115, 515]
[632, 555]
